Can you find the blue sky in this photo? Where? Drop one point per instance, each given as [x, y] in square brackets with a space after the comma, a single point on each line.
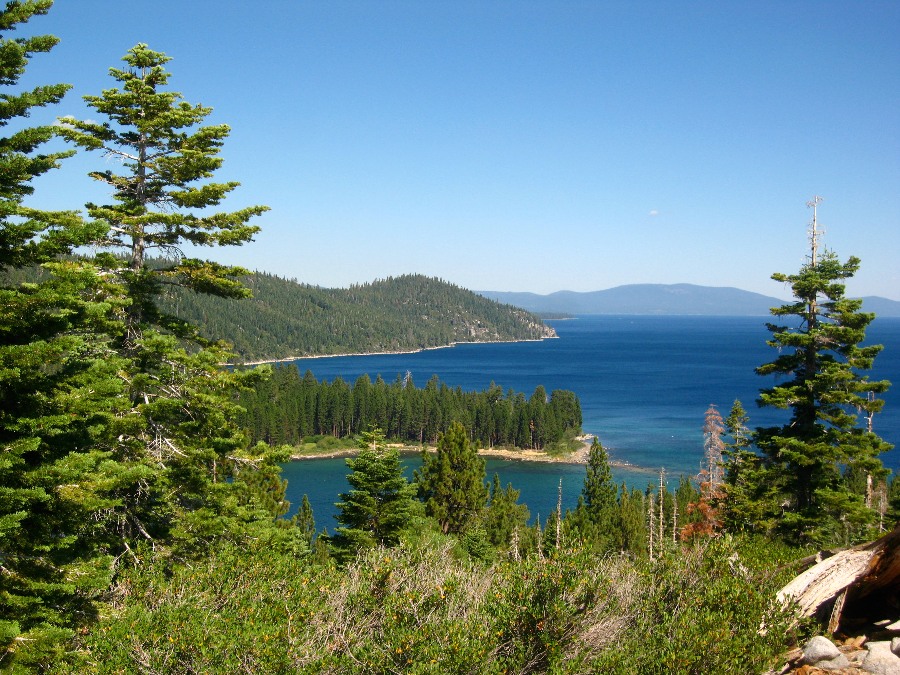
[526, 146]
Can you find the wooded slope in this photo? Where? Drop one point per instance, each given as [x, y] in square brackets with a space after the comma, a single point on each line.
[285, 318]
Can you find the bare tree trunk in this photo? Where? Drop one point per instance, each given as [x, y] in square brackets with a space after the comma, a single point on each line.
[850, 579]
[559, 515]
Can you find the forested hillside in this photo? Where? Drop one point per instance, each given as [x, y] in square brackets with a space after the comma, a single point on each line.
[285, 318]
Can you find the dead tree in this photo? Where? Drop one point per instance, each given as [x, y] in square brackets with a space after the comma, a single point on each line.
[857, 584]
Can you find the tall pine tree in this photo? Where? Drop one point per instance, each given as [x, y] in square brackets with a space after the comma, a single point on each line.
[821, 366]
[59, 390]
[160, 200]
[184, 434]
[378, 506]
[596, 517]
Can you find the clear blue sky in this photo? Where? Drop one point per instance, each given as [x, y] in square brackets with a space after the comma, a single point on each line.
[526, 146]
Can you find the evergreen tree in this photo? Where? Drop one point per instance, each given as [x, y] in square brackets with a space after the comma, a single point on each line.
[504, 515]
[596, 517]
[380, 502]
[28, 236]
[633, 516]
[599, 490]
[892, 497]
[821, 360]
[162, 197]
[750, 502]
[184, 448]
[685, 495]
[59, 388]
[304, 521]
[451, 481]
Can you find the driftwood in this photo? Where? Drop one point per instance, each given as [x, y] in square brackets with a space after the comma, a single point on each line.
[854, 582]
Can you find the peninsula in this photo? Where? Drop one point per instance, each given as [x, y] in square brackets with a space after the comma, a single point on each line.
[285, 319]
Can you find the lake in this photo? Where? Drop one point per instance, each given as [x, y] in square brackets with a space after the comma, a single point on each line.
[644, 383]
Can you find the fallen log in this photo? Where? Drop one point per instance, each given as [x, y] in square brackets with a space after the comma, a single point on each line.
[862, 581]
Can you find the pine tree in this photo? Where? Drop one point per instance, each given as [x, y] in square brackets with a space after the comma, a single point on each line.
[29, 236]
[596, 516]
[183, 446]
[750, 502]
[685, 494]
[451, 481]
[378, 506]
[304, 521]
[59, 389]
[161, 199]
[821, 360]
[632, 516]
[599, 490]
[504, 516]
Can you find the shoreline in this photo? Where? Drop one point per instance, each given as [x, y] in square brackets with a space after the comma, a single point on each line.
[579, 456]
[390, 353]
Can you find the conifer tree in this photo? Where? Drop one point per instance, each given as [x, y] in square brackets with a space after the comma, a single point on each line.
[599, 490]
[183, 433]
[632, 516]
[596, 516]
[378, 506]
[304, 521]
[451, 481]
[821, 360]
[160, 200]
[750, 502]
[59, 390]
[28, 236]
[504, 516]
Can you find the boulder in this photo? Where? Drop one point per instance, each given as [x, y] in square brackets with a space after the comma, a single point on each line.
[881, 660]
[822, 653]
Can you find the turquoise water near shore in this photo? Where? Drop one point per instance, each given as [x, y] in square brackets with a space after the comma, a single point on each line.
[644, 383]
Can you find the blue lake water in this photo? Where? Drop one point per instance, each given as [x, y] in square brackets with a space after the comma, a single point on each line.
[644, 383]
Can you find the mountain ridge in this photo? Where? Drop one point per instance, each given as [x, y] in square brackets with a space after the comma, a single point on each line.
[285, 319]
[664, 299]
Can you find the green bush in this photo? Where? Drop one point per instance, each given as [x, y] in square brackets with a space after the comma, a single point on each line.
[421, 607]
[556, 614]
[703, 611]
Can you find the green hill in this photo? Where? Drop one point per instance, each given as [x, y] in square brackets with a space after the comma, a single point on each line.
[285, 319]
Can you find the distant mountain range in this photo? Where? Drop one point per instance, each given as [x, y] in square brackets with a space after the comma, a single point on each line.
[664, 299]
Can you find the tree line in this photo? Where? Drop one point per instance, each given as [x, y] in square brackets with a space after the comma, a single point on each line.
[282, 318]
[285, 408]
